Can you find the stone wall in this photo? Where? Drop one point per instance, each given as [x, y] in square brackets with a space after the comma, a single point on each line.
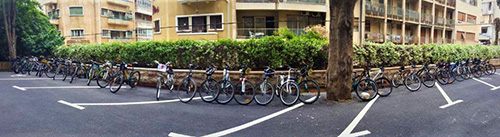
[148, 75]
[4, 65]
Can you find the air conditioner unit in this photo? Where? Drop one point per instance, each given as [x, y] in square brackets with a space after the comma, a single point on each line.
[304, 13]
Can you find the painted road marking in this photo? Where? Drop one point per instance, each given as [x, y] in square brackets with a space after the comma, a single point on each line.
[71, 105]
[80, 105]
[357, 119]
[172, 134]
[62, 87]
[18, 75]
[447, 98]
[488, 84]
[18, 79]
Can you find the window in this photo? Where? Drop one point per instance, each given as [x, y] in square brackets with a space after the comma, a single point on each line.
[355, 25]
[484, 30]
[105, 33]
[77, 33]
[471, 36]
[75, 11]
[248, 22]
[199, 24]
[104, 12]
[121, 34]
[461, 16]
[157, 28]
[367, 26]
[216, 22]
[471, 19]
[183, 23]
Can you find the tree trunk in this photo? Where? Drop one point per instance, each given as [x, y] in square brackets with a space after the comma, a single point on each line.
[339, 71]
[9, 10]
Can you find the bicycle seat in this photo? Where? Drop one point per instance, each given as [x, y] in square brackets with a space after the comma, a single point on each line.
[135, 64]
[170, 71]
[402, 68]
[270, 72]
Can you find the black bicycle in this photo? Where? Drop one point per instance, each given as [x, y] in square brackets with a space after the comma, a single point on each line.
[209, 88]
[133, 78]
[187, 89]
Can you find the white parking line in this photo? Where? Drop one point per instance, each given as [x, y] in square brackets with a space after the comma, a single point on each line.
[172, 134]
[62, 87]
[447, 98]
[19, 79]
[80, 105]
[18, 75]
[488, 84]
[357, 119]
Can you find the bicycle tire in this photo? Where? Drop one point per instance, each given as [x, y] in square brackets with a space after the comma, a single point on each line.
[264, 93]
[211, 88]
[413, 79]
[134, 79]
[396, 80]
[226, 93]
[103, 78]
[159, 84]
[428, 79]
[244, 96]
[75, 74]
[441, 77]
[90, 76]
[50, 72]
[117, 82]
[284, 94]
[315, 90]
[190, 90]
[385, 84]
[363, 86]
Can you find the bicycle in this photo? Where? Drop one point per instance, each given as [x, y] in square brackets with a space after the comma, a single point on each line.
[14, 65]
[226, 93]
[245, 90]
[95, 69]
[366, 88]
[105, 75]
[79, 70]
[121, 77]
[288, 88]
[398, 77]
[187, 89]
[51, 70]
[427, 75]
[164, 81]
[209, 87]
[265, 90]
[412, 81]
[309, 90]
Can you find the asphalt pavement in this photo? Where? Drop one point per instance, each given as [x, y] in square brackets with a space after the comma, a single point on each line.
[32, 106]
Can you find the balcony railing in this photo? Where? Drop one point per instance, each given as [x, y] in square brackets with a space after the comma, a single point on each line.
[393, 38]
[374, 37]
[321, 2]
[144, 23]
[118, 21]
[439, 21]
[255, 1]
[410, 40]
[451, 3]
[119, 2]
[449, 41]
[395, 12]
[375, 9]
[412, 15]
[245, 33]
[427, 18]
[450, 22]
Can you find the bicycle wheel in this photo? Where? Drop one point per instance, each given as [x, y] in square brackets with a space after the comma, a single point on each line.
[90, 76]
[412, 83]
[451, 76]
[309, 91]
[264, 93]
[458, 75]
[186, 90]
[493, 69]
[209, 90]
[244, 94]
[366, 90]
[397, 80]
[51, 70]
[78, 71]
[226, 93]
[441, 77]
[103, 78]
[159, 85]
[116, 83]
[384, 87]
[134, 79]
[289, 93]
[22, 68]
[428, 79]
[477, 71]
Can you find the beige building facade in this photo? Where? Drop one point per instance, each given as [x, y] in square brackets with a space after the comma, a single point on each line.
[233, 19]
[418, 21]
[98, 21]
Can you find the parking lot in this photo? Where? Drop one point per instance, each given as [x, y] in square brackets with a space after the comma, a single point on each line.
[32, 106]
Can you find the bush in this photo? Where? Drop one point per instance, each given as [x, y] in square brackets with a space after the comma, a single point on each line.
[273, 51]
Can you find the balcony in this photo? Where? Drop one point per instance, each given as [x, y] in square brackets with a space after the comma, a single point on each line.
[374, 37]
[412, 15]
[319, 2]
[144, 9]
[450, 22]
[144, 24]
[425, 40]
[124, 3]
[438, 40]
[246, 33]
[118, 22]
[427, 18]
[451, 3]
[375, 9]
[410, 40]
[186, 1]
[439, 21]
[395, 12]
[393, 38]
[254, 1]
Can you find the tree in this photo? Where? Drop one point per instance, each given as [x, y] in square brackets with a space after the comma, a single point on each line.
[9, 10]
[340, 50]
[496, 22]
[35, 34]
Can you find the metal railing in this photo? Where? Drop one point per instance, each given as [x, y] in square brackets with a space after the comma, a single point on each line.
[438, 40]
[393, 38]
[410, 40]
[439, 20]
[321, 2]
[395, 12]
[450, 22]
[374, 37]
[412, 15]
[427, 18]
[255, 1]
[375, 9]
[245, 33]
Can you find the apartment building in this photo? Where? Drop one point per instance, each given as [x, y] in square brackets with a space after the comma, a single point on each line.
[491, 11]
[417, 21]
[234, 19]
[98, 21]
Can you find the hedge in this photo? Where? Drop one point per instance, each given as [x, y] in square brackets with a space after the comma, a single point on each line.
[271, 51]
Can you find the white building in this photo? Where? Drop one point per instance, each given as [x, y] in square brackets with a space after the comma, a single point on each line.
[490, 11]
